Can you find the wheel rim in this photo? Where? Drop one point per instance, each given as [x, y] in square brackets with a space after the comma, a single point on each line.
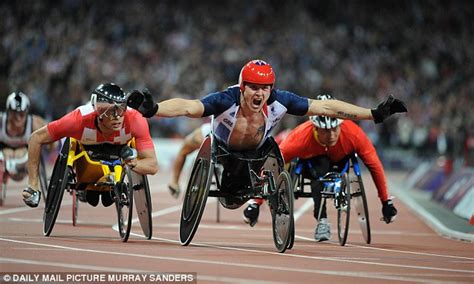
[124, 204]
[143, 204]
[283, 221]
[56, 189]
[194, 191]
[343, 213]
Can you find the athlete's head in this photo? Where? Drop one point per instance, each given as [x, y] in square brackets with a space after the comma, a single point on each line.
[256, 72]
[109, 101]
[256, 82]
[17, 107]
[327, 127]
[18, 102]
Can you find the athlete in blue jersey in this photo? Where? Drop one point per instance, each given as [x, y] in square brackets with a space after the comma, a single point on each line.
[246, 113]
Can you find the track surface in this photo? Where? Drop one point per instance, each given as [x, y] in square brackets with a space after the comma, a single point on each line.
[230, 251]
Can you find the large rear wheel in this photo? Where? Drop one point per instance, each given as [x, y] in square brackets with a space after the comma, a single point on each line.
[43, 179]
[362, 209]
[282, 213]
[196, 193]
[143, 203]
[344, 210]
[56, 188]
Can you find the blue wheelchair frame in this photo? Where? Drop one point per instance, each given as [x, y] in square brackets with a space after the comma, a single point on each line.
[342, 187]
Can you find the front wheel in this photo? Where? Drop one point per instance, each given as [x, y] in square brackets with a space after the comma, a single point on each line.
[124, 203]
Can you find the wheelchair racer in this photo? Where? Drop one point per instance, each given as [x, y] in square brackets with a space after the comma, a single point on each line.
[246, 113]
[16, 126]
[328, 143]
[102, 124]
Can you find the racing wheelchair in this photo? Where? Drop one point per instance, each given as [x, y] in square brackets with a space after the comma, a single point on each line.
[42, 179]
[344, 188]
[80, 168]
[245, 175]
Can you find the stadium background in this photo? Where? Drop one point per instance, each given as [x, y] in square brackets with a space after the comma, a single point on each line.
[359, 51]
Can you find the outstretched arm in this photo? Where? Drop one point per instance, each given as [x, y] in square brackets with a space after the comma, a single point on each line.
[144, 103]
[343, 110]
[339, 109]
[180, 107]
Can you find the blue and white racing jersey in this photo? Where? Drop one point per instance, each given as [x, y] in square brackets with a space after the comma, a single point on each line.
[225, 106]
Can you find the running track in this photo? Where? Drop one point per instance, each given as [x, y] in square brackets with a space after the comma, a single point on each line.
[231, 251]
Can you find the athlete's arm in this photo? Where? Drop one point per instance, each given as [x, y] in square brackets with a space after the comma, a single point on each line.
[180, 107]
[339, 109]
[190, 144]
[39, 122]
[39, 137]
[146, 164]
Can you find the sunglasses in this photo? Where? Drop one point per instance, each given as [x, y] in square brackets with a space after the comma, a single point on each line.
[111, 110]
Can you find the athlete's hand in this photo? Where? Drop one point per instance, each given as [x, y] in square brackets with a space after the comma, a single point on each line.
[387, 108]
[143, 102]
[389, 211]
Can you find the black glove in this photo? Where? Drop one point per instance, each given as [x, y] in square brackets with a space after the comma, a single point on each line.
[143, 102]
[128, 153]
[387, 108]
[389, 211]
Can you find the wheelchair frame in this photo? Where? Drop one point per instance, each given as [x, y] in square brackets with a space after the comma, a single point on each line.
[278, 192]
[346, 187]
[116, 177]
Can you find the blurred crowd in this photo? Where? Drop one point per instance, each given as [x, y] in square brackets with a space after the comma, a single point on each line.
[359, 51]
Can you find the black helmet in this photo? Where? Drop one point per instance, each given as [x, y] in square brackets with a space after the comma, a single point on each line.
[18, 101]
[108, 93]
[325, 122]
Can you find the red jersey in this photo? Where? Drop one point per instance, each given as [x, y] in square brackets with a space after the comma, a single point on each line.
[303, 142]
[81, 125]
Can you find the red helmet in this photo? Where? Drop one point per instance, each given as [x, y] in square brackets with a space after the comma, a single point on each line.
[257, 72]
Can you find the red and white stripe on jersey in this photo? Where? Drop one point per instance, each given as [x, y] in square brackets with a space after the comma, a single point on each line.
[80, 124]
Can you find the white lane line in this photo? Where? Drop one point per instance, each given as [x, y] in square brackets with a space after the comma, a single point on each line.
[67, 265]
[122, 270]
[307, 205]
[26, 208]
[392, 250]
[359, 274]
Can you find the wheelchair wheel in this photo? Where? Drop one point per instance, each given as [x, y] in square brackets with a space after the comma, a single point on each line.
[56, 188]
[282, 213]
[143, 202]
[43, 179]
[124, 203]
[291, 242]
[75, 207]
[196, 193]
[344, 210]
[360, 203]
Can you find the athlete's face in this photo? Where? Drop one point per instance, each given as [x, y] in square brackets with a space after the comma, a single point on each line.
[17, 118]
[255, 96]
[328, 137]
[111, 115]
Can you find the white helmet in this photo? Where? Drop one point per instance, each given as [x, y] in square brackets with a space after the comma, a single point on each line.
[18, 101]
[322, 121]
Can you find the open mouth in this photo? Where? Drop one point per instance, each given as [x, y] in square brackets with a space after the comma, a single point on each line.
[256, 102]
